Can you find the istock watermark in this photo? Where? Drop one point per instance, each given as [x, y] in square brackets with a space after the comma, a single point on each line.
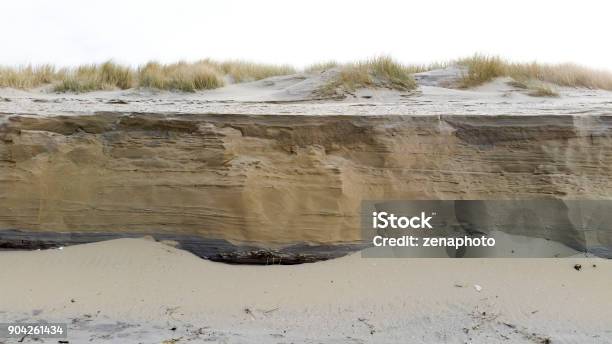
[487, 228]
[384, 220]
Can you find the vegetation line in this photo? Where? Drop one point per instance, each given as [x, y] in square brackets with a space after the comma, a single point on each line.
[181, 76]
[340, 79]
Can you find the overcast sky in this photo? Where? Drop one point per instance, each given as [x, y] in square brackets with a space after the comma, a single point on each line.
[301, 32]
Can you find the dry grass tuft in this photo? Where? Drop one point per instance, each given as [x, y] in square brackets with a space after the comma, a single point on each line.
[116, 75]
[567, 74]
[412, 69]
[535, 88]
[106, 76]
[27, 76]
[416, 68]
[243, 71]
[205, 74]
[180, 76]
[379, 72]
[482, 68]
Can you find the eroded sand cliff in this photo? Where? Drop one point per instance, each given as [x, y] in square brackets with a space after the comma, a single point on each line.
[279, 180]
[260, 172]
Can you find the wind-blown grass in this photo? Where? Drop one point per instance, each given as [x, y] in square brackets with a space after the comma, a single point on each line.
[379, 72]
[106, 76]
[189, 77]
[27, 77]
[179, 76]
[241, 71]
[535, 88]
[205, 74]
[566, 74]
[482, 69]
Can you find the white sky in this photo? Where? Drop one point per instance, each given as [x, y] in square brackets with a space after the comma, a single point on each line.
[68, 32]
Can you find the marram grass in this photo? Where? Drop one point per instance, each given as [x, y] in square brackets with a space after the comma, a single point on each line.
[180, 76]
[482, 69]
[378, 72]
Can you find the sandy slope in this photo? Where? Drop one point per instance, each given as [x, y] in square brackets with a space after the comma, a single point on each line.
[136, 290]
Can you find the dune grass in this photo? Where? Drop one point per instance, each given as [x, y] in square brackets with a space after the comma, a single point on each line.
[105, 76]
[205, 74]
[482, 69]
[321, 66]
[27, 77]
[378, 72]
[567, 74]
[534, 88]
[180, 76]
[242, 71]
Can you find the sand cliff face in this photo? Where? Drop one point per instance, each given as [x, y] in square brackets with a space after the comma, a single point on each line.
[280, 180]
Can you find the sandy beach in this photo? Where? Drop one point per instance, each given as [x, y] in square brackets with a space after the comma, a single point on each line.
[141, 291]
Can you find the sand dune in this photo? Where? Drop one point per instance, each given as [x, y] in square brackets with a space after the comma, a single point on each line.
[296, 94]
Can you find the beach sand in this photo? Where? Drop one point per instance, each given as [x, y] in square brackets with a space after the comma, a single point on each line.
[142, 291]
